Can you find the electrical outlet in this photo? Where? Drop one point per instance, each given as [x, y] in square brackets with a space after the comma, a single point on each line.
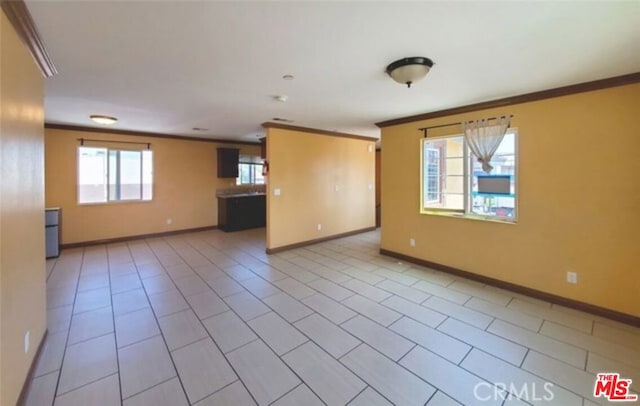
[572, 277]
[370, 186]
[27, 341]
[319, 227]
[169, 220]
[370, 148]
[412, 242]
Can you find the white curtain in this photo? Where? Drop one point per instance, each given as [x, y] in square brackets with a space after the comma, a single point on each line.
[484, 138]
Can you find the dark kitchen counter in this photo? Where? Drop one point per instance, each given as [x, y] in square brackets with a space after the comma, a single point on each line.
[232, 195]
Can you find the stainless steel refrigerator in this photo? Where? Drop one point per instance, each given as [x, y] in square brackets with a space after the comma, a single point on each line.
[52, 231]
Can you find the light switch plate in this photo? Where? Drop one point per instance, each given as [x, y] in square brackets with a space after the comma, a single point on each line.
[276, 192]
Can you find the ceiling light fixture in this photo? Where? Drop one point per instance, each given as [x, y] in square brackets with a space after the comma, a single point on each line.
[409, 70]
[284, 120]
[288, 77]
[104, 120]
[200, 129]
[281, 98]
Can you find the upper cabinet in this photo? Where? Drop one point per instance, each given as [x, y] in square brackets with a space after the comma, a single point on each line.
[228, 162]
[263, 147]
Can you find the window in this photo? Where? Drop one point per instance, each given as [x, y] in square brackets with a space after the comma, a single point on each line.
[432, 175]
[110, 175]
[453, 180]
[250, 171]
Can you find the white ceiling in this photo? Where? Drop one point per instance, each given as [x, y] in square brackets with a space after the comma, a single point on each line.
[167, 67]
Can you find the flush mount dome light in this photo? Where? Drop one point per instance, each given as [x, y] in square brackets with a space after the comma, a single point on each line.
[104, 120]
[409, 70]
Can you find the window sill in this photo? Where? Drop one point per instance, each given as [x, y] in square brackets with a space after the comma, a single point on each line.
[115, 202]
[476, 217]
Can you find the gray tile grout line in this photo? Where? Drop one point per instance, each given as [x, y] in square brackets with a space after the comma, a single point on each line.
[471, 346]
[529, 372]
[289, 391]
[66, 341]
[151, 387]
[264, 342]
[267, 281]
[433, 395]
[543, 336]
[89, 383]
[161, 334]
[336, 325]
[211, 338]
[385, 326]
[115, 334]
[586, 360]
[582, 348]
[92, 338]
[219, 390]
[410, 349]
[526, 354]
[385, 356]
[138, 341]
[267, 345]
[82, 341]
[466, 355]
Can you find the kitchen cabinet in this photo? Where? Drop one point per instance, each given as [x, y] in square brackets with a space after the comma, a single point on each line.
[228, 159]
[242, 211]
[263, 147]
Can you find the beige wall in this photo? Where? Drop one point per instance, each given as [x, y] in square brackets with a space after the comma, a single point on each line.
[22, 263]
[378, 183]
[307, 167]
[579, 200]
[185, 182]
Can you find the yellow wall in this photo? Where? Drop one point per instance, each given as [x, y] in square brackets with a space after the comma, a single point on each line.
[185, 183]
[378, 188]
[578, 203]
[306, 167]
[22, 263]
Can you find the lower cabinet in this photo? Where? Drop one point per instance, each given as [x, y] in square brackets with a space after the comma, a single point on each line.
[242, 212]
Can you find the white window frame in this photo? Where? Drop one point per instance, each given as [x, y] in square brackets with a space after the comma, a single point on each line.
[253, 162]
[108, 198]
[438, 170]
[467, 177]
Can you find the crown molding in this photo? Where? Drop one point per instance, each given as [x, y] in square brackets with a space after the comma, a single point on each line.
[523, 98]
[269, 124]
[68, 127]
[20, 18]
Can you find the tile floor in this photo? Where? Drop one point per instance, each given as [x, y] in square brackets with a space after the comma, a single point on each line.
[209, 319]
